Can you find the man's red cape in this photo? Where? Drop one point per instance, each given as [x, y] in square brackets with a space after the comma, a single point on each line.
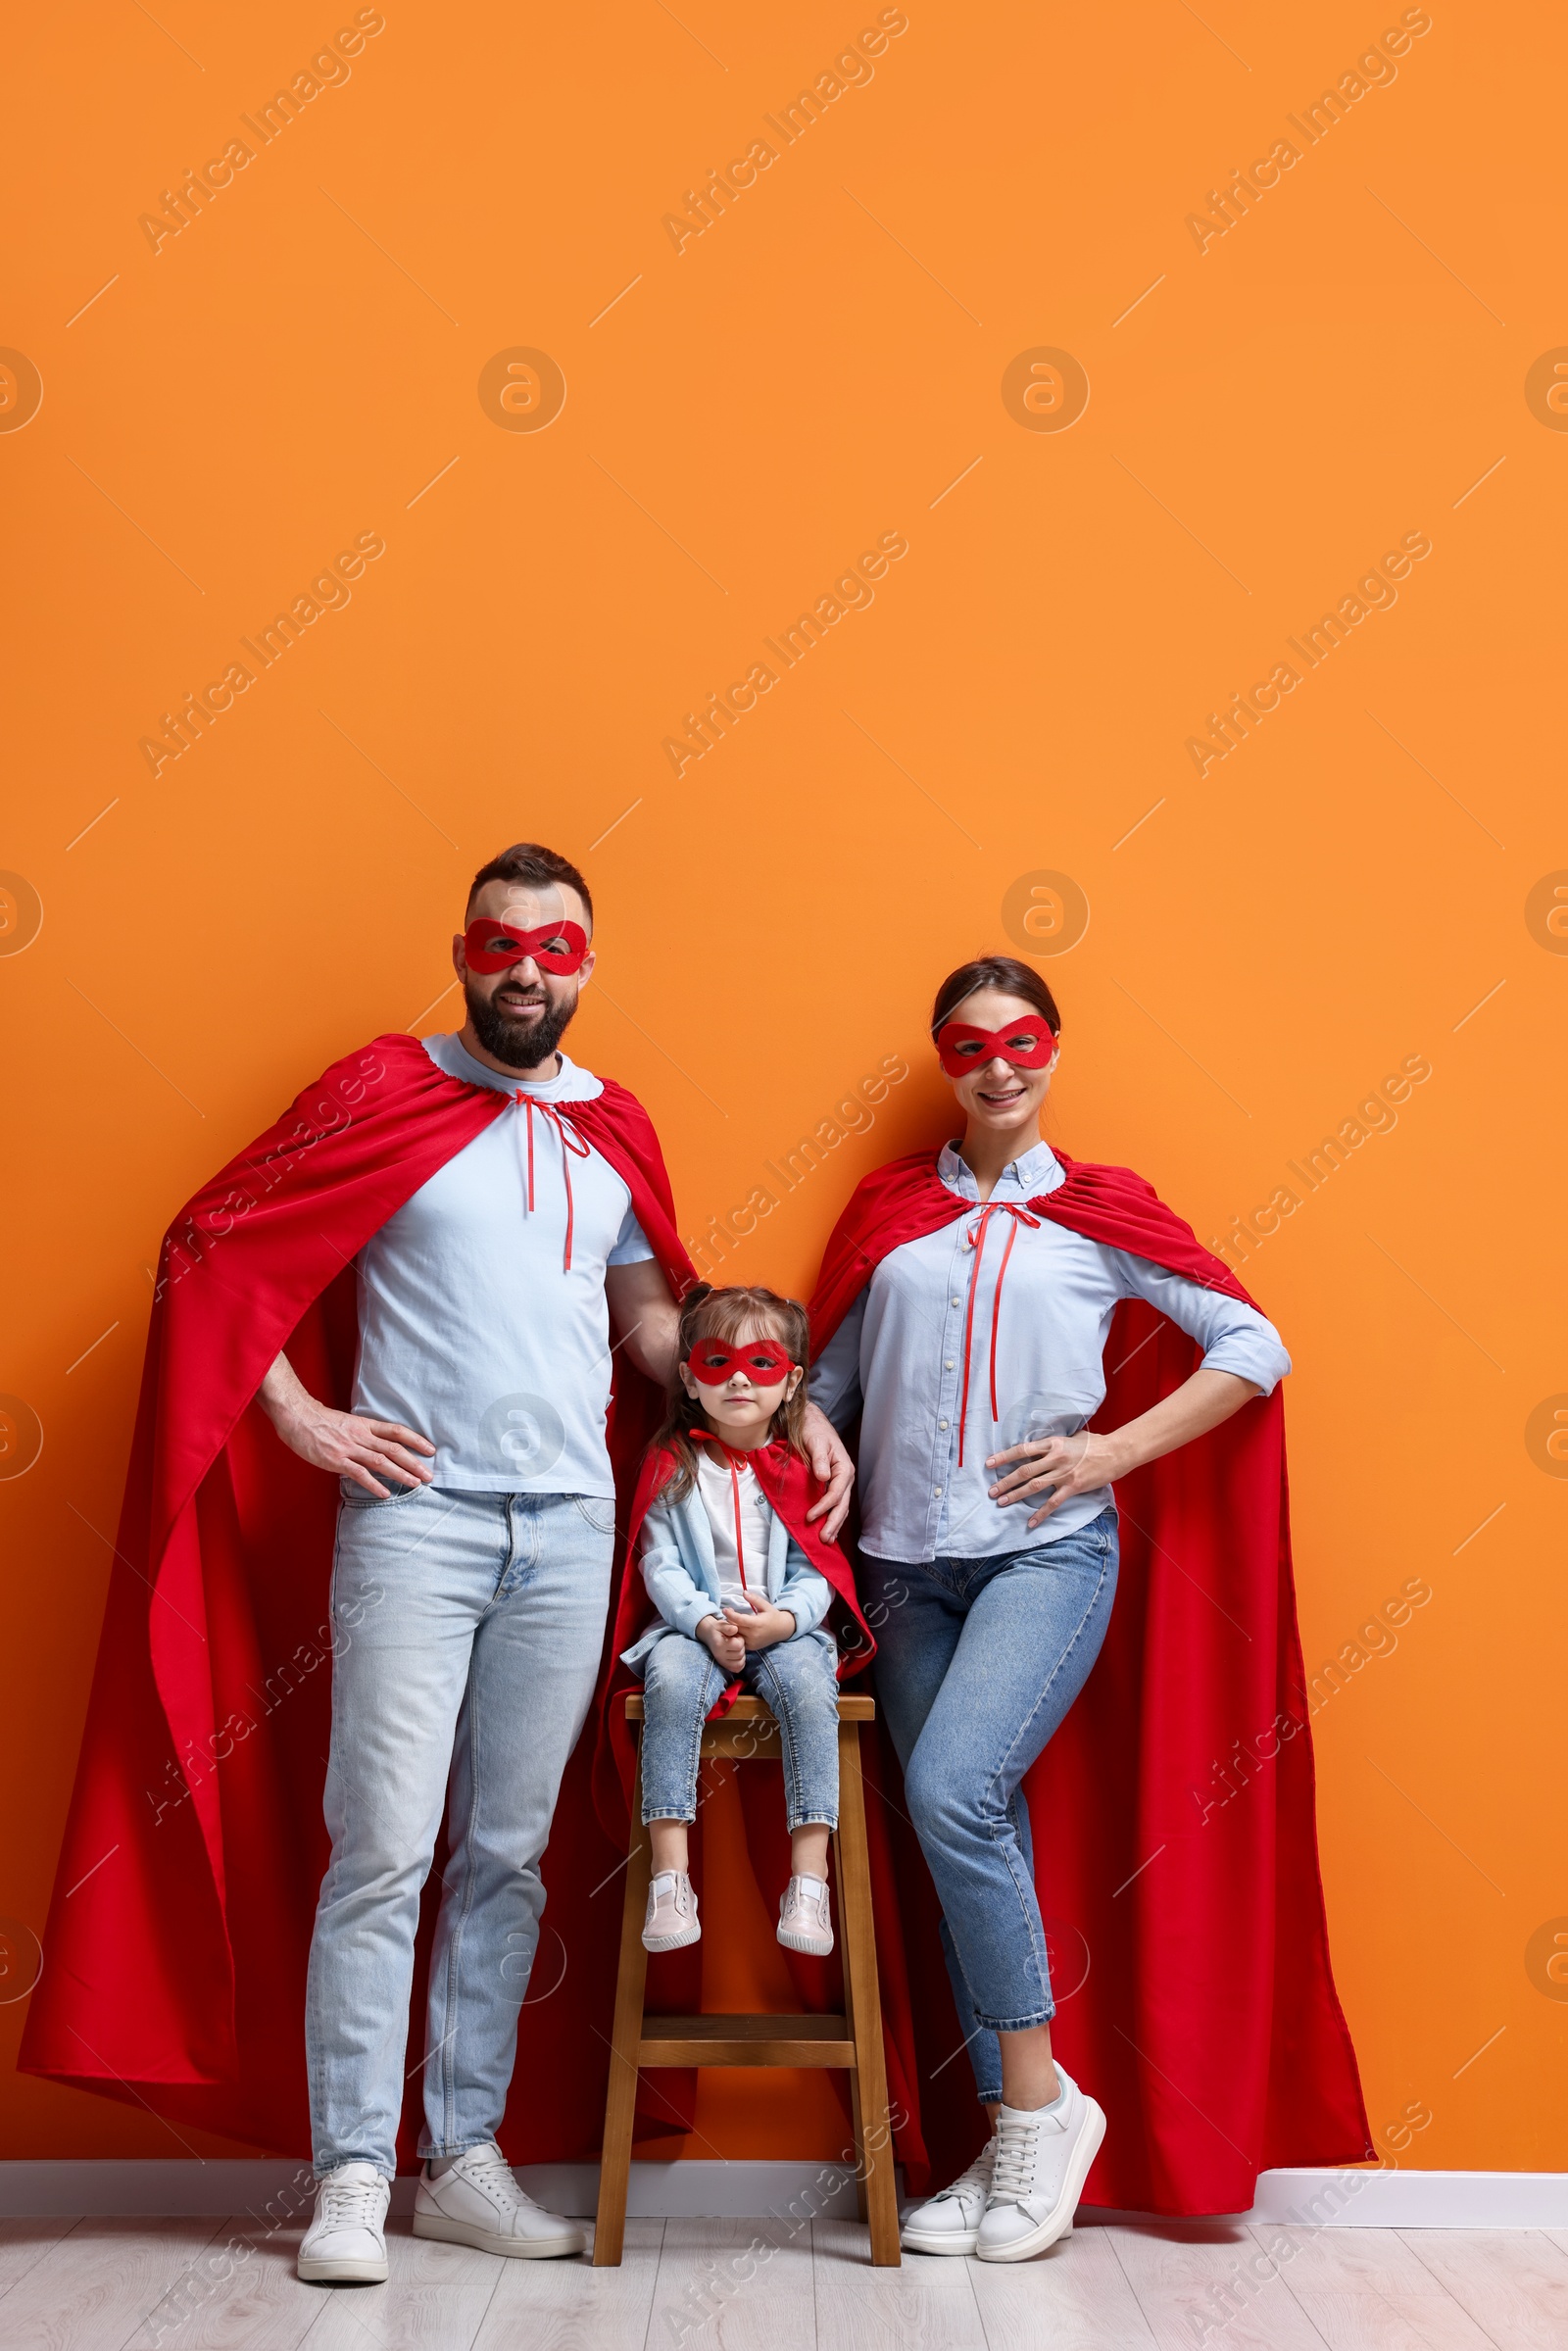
[174, 1954]
[1174, 1812]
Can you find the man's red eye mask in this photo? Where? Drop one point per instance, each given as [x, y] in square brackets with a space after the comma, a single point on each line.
[491, 945]
[1026, 1043]
[763, 1361]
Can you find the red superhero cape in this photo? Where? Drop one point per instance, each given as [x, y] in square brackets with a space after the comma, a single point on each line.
[1174, 1812]
[174, 1954]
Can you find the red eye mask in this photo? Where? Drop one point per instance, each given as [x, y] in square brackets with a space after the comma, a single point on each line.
[1027, 1044]
[489, 945]
[763, 1361]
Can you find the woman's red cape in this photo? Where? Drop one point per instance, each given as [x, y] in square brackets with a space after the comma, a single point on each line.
[173, 1971]
[1174, 1812]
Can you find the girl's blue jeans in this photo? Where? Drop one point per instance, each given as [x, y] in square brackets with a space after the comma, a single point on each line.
[798, 1680]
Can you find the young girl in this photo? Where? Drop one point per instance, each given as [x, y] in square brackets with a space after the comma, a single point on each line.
[737, 1602]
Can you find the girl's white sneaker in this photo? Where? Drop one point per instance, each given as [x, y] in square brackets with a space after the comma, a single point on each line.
[671, 1922]
[805, 1923]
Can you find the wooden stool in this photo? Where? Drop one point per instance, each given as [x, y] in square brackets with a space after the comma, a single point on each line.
[852, 2042]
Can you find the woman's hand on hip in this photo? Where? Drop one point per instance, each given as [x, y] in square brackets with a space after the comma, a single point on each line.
[1051, 1470]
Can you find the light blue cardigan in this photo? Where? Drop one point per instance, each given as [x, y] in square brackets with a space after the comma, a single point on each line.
[681, 1574]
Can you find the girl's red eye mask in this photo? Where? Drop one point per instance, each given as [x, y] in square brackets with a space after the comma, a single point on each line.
[1027, 1044]
[763, 1361]
[490, 945]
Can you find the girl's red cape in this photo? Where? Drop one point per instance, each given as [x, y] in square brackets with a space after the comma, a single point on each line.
[1174, 1812]
[173, 1971]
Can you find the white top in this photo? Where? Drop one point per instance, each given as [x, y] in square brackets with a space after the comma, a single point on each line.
[901, 1346]
[470, 1329]
[757, 1520]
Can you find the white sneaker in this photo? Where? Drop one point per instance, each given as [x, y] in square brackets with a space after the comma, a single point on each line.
[949, 2223]
[1042, 2159]
[671, 1922]
[345, 2243]
[477, 2202]
[804, 1921]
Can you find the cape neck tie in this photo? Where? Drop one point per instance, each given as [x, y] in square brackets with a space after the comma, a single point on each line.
[572, 1147]
[731, 1458]
[975, 1239]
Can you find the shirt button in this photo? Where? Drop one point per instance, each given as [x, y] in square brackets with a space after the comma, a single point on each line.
[947, 1367]
[958, 1301]
[937, 1490]
[942, 1424]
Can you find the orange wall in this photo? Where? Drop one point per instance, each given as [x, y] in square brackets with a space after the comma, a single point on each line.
[1363, 880]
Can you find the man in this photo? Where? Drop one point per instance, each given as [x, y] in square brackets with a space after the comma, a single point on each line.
[499, 1208]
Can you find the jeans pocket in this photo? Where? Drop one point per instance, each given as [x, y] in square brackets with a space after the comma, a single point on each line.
[356, 1497]
[599, 1510]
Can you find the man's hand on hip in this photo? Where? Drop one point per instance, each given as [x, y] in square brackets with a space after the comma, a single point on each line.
[345, 1443]
[831, 1466]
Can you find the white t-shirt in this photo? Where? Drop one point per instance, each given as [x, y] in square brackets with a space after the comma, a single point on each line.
[470, 1329]
[757, 1521]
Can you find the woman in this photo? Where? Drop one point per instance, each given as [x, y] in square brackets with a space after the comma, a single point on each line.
[989, 1540]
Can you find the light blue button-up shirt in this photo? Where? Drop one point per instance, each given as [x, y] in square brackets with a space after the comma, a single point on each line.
[898, 1359]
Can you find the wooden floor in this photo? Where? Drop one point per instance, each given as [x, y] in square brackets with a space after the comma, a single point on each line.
[730, 2286]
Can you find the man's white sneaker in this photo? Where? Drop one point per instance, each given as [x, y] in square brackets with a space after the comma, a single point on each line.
[345, 2243]
[671, 1922]
[477, 2201]
[949, 2223]
[1042, 2159]
[805, 1920]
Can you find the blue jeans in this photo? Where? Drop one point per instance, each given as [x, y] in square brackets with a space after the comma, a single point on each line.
[466, 1635]
[978, 1661]
[798, 1678]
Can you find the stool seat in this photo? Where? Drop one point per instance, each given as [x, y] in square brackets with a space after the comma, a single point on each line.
[851, 2042]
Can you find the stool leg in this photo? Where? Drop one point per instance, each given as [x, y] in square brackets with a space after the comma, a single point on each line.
[856, 2122]
[621, 2105]
[863, 1994]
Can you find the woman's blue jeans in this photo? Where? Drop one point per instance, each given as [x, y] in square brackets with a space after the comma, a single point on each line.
[978, 1662]
[798, 1678]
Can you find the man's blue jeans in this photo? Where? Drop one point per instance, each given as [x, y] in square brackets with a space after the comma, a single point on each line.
[468, 1629]
[978, 1662]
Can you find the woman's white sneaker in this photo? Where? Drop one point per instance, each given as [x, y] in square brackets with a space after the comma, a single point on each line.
[949, 2222]
[671, 1922]
[477, 2201]
[804, 1921]
[1042, 2159]
[345, 2243]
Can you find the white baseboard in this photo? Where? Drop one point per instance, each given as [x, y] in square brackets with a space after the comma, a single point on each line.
[1336, 2199]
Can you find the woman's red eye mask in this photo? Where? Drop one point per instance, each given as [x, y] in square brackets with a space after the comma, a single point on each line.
[489, 946]
[763, 1361]
[1027, 1044]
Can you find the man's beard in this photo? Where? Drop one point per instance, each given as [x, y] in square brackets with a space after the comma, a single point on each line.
[520, 1045]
